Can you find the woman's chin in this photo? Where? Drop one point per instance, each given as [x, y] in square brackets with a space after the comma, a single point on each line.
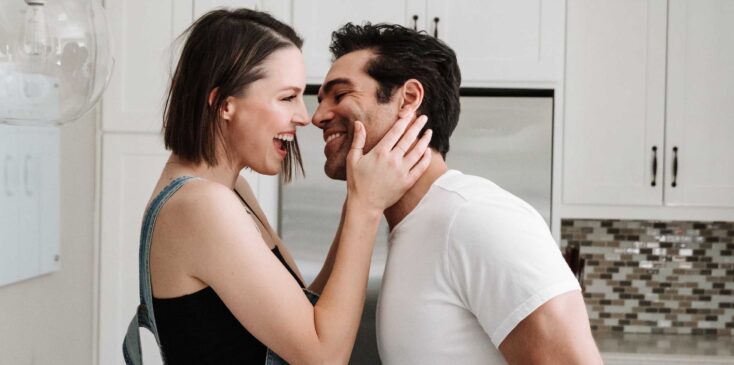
[266, 170]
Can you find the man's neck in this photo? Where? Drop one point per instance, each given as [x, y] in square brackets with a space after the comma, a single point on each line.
[410, 199]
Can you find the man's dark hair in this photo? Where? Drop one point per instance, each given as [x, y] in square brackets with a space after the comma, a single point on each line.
[224, 50]
[402, 54]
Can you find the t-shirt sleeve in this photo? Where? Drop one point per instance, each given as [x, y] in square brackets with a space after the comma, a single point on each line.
[504, 264]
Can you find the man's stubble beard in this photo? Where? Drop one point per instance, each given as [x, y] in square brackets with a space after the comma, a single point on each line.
[335, 167]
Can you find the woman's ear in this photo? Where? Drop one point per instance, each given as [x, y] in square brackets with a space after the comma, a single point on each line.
[227, 108]
[412, 95]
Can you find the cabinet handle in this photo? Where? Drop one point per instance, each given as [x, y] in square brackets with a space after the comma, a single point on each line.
[654, 165]
[675, 166]
[6, 173]
[435, 27]
[415, 22]
[26, 176]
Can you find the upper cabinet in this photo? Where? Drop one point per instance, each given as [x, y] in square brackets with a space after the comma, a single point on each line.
[700, 103]
[615, 102]
[142, 34]
[630, 138]
[315, 20]
[502, 42]
[498, 43]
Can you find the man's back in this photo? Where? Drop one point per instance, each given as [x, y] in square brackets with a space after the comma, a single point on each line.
[464, 268]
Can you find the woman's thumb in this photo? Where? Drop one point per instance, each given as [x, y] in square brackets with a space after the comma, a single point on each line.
[355, 152]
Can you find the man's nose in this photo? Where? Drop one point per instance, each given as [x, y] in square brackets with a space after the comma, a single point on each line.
[321, 116]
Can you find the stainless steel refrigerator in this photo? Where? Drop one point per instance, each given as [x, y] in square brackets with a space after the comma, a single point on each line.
[507, 139]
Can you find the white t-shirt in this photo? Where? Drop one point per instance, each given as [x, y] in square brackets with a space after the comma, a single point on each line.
[463, 269]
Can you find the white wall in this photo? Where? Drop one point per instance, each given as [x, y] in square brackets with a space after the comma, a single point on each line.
[49, 319]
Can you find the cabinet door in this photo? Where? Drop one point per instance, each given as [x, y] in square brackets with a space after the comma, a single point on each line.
[615, 102]
[502, 41]
[316, 20]
[142, 34]
[131, 166]
[29, 202]
[280, 9]
[38, 226]
[9, 196]
[201, 7]
[700, 120]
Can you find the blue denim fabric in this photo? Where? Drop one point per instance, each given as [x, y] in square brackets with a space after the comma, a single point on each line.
[144, 316]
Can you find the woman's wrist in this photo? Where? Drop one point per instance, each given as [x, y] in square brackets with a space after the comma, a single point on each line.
[363, 208]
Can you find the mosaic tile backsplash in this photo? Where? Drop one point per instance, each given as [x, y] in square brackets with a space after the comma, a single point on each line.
[654, 277]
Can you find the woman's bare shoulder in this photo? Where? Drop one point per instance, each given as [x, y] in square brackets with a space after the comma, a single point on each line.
[203, 211]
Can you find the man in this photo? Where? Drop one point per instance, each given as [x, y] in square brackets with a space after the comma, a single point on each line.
[473, 275]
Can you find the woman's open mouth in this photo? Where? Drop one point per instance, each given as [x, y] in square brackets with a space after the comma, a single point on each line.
[282, 143]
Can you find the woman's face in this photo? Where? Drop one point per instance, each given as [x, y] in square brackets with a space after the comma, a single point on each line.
[259, 123]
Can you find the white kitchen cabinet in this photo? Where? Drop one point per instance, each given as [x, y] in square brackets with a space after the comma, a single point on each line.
[615, 102]
[131, 166]
[630, 138]
[502, 42]
[700, 103]
[280, 9]
[497, 42]
[142, 34]
[315, 20]
[29, 202]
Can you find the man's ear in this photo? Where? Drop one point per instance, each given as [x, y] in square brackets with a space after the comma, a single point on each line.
[412, 95]
[227, 108]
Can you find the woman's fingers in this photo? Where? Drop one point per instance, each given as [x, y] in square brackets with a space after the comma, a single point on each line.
[355, 152]
[421, 166]
[415, 154]
[411, 135]
[392, 136]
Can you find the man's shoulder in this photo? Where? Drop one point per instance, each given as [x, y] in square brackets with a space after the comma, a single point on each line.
[486, 210]
[479, 193]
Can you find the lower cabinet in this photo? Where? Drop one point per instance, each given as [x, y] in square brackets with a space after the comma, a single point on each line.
[29, 202]
[131, 166]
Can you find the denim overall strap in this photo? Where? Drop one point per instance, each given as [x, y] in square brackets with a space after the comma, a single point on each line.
[144, 317]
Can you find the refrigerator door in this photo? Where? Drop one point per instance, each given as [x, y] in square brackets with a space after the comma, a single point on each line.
[505, 139]
[508, 140]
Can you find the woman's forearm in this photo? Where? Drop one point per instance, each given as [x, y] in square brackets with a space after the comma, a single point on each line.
[320, 281]
[338, 311]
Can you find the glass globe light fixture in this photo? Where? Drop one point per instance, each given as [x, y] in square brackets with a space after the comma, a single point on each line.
[55, 60]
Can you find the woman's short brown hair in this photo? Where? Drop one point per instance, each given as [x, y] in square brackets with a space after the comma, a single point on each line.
[224, 50]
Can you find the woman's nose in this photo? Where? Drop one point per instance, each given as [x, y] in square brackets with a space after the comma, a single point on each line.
[301, 115]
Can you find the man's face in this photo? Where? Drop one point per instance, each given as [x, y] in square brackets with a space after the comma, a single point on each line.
[349, 94]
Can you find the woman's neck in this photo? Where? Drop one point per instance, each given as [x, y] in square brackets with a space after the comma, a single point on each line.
[223, 173]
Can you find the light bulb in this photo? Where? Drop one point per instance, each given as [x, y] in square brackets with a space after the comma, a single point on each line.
[35, 31]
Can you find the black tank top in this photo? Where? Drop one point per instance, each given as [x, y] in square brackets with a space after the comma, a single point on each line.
[199, 329]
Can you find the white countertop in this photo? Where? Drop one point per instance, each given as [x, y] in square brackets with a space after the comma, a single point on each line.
[649, 349]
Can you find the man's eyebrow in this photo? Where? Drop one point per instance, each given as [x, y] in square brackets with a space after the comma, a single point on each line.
[326, 88]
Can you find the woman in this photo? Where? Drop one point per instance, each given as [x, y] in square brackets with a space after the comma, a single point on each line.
[224, 289]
